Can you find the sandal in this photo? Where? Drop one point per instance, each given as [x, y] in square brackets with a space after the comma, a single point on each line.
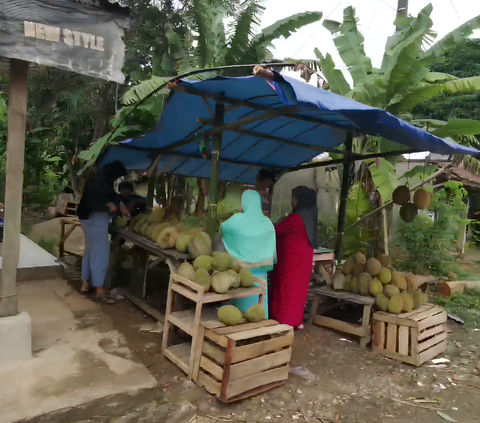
[88, 291]
[104, 296]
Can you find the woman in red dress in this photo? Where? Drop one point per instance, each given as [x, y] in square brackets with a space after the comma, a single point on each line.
[296, 239]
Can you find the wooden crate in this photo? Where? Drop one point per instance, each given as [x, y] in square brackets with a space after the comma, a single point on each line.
[241, 361]
[414, 337]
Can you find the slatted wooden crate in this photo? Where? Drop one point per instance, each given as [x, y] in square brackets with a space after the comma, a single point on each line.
[241, 361]
[415, 337]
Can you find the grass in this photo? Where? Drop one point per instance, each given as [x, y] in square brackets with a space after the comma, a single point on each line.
[466, 306]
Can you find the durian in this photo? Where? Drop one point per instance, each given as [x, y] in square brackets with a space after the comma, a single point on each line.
[407, 301]
[395, 304]
[353, 285]
[422, 199]
[390, 290]
[201, 245]
[236, 266]
[385, 260]
[358, 269]
[138, 225]
[202, 278]
[222, 262]
[135, 220]
[236, 278]
[144, 228]
[373, 266]
[364, 283]
[203, 262]
[408, 212]
[381, 302]
[347, 268]
[385, 276]
[121, 222]
[230, 315]
[256, 313]
[158, 230]
[187, 271]
[182, 243]
[376, 287]
[246, 278]
[338, 281]
[221, 282]
[398, 279]
[419, 298]
[167, 238]
[156, 216]
[150, 230]
[401, 195]
[360, 257]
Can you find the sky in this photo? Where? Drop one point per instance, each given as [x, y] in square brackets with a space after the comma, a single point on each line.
[375, 17]
[375, 23]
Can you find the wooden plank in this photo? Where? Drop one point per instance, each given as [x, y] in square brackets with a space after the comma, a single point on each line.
[432, 352]
[197, 352]
[345, 327]
[168, 310]
[211, 351]
[185, 292]
[433, 321]
[392, 318]
[313, 308]
[379, 332]
[433, 331]
[248, 352]
[211, 386]
[256, 391]
[218, 339]
[226, 368]
[260, 364]
[239, 386]
[212, 297]
[152, 312]
[227, 330]
[263, 331]
[391, 345]
[432, 341]
[323, 257]
[414, 343]
[403, 340]
[194, 360]
[394, 355]
[345, 296]
[428, 312]
[183, 320]
[194, 286]
[179, 355]
[209, 366]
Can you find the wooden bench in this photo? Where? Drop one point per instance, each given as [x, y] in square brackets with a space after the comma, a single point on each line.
[320, 307]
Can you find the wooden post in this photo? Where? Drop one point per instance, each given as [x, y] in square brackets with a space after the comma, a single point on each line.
[17, 113]
[212, 224]
[346, 182]
[152, 181]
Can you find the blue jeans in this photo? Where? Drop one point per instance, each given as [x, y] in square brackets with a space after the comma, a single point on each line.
[97, 248]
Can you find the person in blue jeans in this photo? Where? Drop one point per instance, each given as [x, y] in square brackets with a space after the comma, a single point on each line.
[99, 200]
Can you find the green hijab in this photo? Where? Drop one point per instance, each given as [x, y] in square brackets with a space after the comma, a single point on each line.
[249, 236]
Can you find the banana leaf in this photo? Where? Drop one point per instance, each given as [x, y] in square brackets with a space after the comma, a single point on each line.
[336, 81]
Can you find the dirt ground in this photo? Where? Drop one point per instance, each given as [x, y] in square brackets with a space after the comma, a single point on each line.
[339, 382]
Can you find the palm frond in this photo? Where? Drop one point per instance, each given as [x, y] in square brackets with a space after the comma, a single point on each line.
[349, 42]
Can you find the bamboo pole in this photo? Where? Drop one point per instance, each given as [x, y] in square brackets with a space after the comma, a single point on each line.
[17, 115]
[342, 209]
[212, 223]
[389, 203]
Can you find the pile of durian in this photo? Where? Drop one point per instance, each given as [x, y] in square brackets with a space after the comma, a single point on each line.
[394, 292]
[218, 273]
[172, 233]
[402, 196]
[230, 315]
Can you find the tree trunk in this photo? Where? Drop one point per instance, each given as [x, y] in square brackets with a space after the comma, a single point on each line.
[402, 9]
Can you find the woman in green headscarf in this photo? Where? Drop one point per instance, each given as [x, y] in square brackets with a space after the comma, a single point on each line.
[249, 236]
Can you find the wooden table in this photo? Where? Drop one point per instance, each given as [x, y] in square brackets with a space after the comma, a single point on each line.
[146, 247]
[319, 308]
[323, 257]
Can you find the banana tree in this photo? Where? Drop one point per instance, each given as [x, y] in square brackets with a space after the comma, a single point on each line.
[403, 80]
[209, 48]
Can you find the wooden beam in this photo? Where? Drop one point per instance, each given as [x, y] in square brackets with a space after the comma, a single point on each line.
[17, 115]
[187, 89]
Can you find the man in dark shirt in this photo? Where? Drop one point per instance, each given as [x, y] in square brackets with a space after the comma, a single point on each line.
[135, 204]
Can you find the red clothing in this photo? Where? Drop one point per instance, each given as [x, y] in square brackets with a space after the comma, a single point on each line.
[290, 278]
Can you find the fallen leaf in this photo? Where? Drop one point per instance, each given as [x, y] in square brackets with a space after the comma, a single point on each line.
[446, 417]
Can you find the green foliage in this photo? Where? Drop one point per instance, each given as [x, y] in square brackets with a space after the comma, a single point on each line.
[433, 244]
[466, 306]
[384, 176]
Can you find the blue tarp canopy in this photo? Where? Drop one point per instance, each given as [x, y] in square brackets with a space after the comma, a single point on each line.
[280, 123]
